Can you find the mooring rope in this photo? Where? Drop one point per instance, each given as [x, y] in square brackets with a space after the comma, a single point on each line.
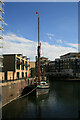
[27, 93]
[19, 97]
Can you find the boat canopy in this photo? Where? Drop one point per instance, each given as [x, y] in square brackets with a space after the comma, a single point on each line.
[43, 82]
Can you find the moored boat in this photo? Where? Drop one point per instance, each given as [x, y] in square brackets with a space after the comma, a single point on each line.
[42, 88]
[42, 91]
[42, 85]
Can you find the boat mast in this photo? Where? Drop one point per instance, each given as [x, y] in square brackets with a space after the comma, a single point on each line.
[38, 31]
[39, 47]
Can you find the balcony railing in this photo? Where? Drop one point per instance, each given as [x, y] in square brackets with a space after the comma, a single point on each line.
[1, 18]
[1, 28]
[1, 37]
[1, 10]
[1, 1]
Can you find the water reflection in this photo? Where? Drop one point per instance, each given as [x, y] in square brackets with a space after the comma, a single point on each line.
[60, 102]
[39, 101]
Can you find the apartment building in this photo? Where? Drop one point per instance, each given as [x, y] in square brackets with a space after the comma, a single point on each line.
[68, 64]
[32, 69]
[32, 64]
[1, 32]
[43, 61]
[16, 66]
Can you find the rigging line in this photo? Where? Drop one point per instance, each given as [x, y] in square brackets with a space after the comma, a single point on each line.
[27, 93]
[18, 97]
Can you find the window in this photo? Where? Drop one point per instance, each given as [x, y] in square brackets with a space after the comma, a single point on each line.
[18, 75]
[26, 65]
[22, 74]
[22, 64]
[26, 74]
[18, 63]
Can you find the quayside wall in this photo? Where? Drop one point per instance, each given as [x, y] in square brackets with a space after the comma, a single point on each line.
[13, 89]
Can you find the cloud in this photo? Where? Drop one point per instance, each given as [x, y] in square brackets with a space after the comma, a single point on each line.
[53, 51]
[50, 37]
[59, 41]
[73, 45]
[50, 34]
[15, 44]
[5, 23]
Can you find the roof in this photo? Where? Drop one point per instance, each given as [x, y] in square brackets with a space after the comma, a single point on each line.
[51, 61]
[32, 61]
[70, 53]
[44, 57]
[12, 54]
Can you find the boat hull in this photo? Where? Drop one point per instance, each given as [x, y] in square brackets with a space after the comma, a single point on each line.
[41, 91]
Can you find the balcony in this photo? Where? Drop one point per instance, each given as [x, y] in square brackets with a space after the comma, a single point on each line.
[1, 10]
[1, 37]
[1, 19]
[1, 28]
[1, 1]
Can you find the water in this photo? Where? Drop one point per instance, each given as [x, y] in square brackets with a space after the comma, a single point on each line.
[61, 102]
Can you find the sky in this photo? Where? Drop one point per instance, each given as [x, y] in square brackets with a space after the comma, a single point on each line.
[41, 0]
[58, 28]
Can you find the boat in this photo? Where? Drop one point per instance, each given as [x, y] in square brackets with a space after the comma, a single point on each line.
[42, 88]
[42, 84]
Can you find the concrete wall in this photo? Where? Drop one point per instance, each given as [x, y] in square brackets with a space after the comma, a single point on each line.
[12, 90]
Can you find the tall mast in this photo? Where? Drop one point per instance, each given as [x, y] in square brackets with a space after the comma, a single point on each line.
[39, 46]
[38, 31]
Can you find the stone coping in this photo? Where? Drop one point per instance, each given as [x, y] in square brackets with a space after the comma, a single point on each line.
[13, 82]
